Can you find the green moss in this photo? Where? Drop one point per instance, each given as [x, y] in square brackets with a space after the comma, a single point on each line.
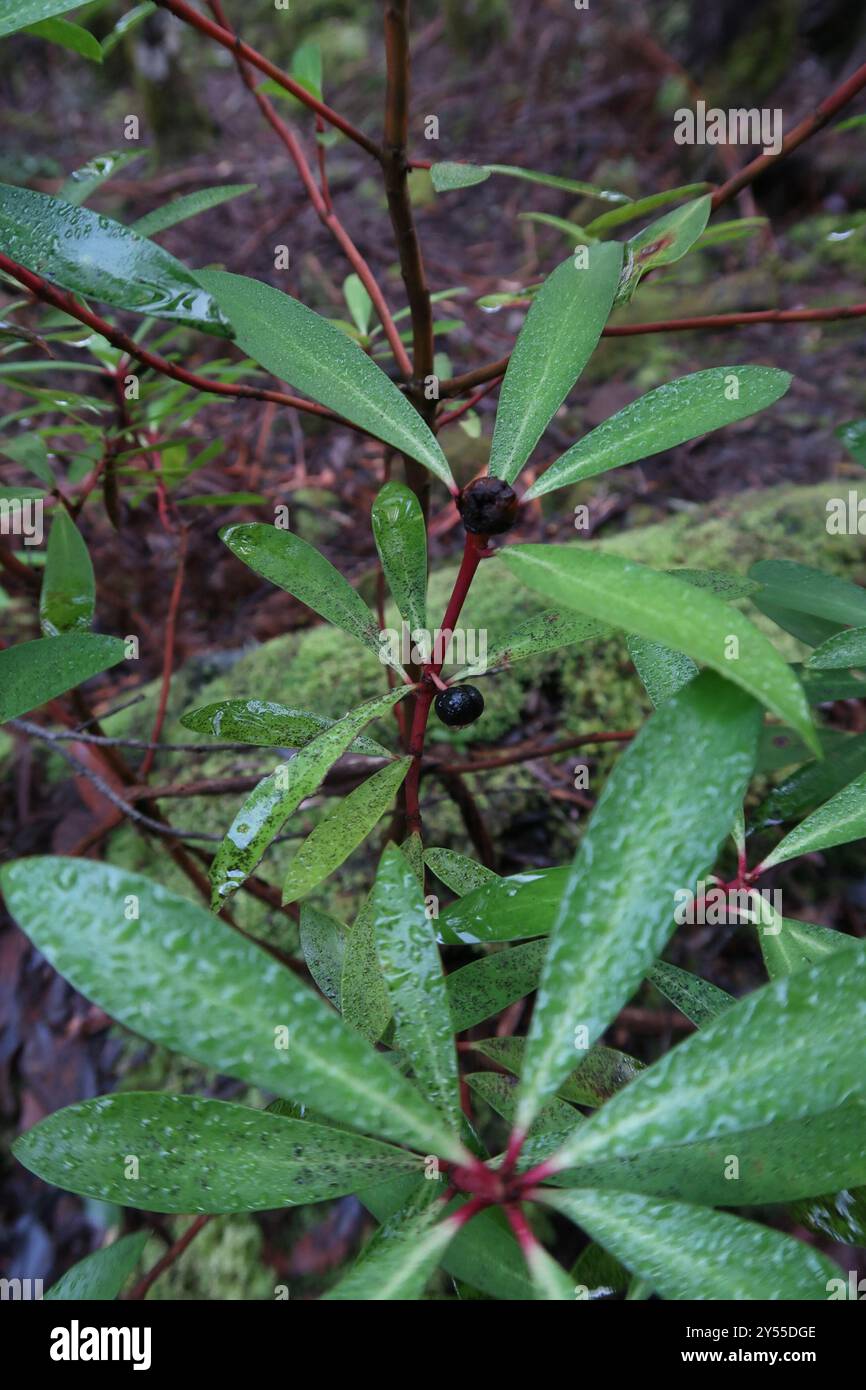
[592, 686]
[223, 1263]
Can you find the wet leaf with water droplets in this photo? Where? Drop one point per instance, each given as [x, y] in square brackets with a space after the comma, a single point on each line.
[269, 805]
[103, 1274]
[340, 832]
[94, 256]
[305, 350]
[761, 1082]
[180, 977]
[399, 1260]
[839, 821]
[323, 942]
[656, 826]
[554, 345]
[68, 595]
[32, 673]
[412, 970]
[671, 414]
[296, 566]
[687, 1252]
[401, 540]
[267, 724]
[653, 605]
[198, 1155]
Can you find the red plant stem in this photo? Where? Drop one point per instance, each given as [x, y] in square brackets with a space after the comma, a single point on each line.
[450, 417]
[473, 551]
[532, 1176]
[521, 1228]
[173, 1253]
[823, 113]
[459, 385]
[527, 752]
[395, 166]
[61, 300]
[321, 202]
[516, 1140]
[463, 1214]
[191, 16]
[168, 656]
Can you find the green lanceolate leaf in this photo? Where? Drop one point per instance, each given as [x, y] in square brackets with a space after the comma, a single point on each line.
[323, 942]
[189, 206]
[359, 303]
[70, 36]
[412, 969]
[457, 871]
[401, 540]
[668, 416]
[652, 605]
[19, 13]
[296, 566]
[99, 258]
[806, 601]
[561, 331]
[103, 1274]
[842, 650]
[32, 673]
[686, 1252]
[180, 977]
[197, 1155]
[92, 175]
[365, 1002]
[815, 782]
[657, 824]
[603, 1072]
[485, 987]
[696, 998]
[448, 176]
[631, 210]
[68, 595]
[340, 832]
[505, 909]
[268, 806]
[663, 242]
[787, 944]
[499, 1092]
[545, 632]
[269, 725]
[760, 1083]
[305, 350]
[662, 671]
[549, 1280]
[402, 1255]
[837, 822]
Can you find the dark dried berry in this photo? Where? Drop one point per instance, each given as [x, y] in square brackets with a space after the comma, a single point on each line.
[459, 705]
[488, 506]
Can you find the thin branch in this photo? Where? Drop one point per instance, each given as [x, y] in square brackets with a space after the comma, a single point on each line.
[168, 656]
[459, 385]
[823, 113]
[396, 168]
[250, 55]
[528, 752]
[173, 1253]
[321, 202]
[61, 300]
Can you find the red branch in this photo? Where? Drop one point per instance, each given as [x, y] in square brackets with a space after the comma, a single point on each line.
[173, 1253]
[250, 55]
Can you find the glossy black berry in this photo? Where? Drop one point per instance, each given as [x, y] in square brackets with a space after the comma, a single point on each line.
[460, 705]
[488, 506]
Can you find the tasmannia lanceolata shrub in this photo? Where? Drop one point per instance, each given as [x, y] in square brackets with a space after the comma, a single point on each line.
[762, 1105]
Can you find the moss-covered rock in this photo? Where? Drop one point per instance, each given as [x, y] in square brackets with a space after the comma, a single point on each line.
[590, 686]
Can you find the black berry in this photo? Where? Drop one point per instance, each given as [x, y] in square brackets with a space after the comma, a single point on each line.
[460, 705]
[488, 506]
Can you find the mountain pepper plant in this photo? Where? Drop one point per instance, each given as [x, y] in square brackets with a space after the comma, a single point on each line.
[678, 1173]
